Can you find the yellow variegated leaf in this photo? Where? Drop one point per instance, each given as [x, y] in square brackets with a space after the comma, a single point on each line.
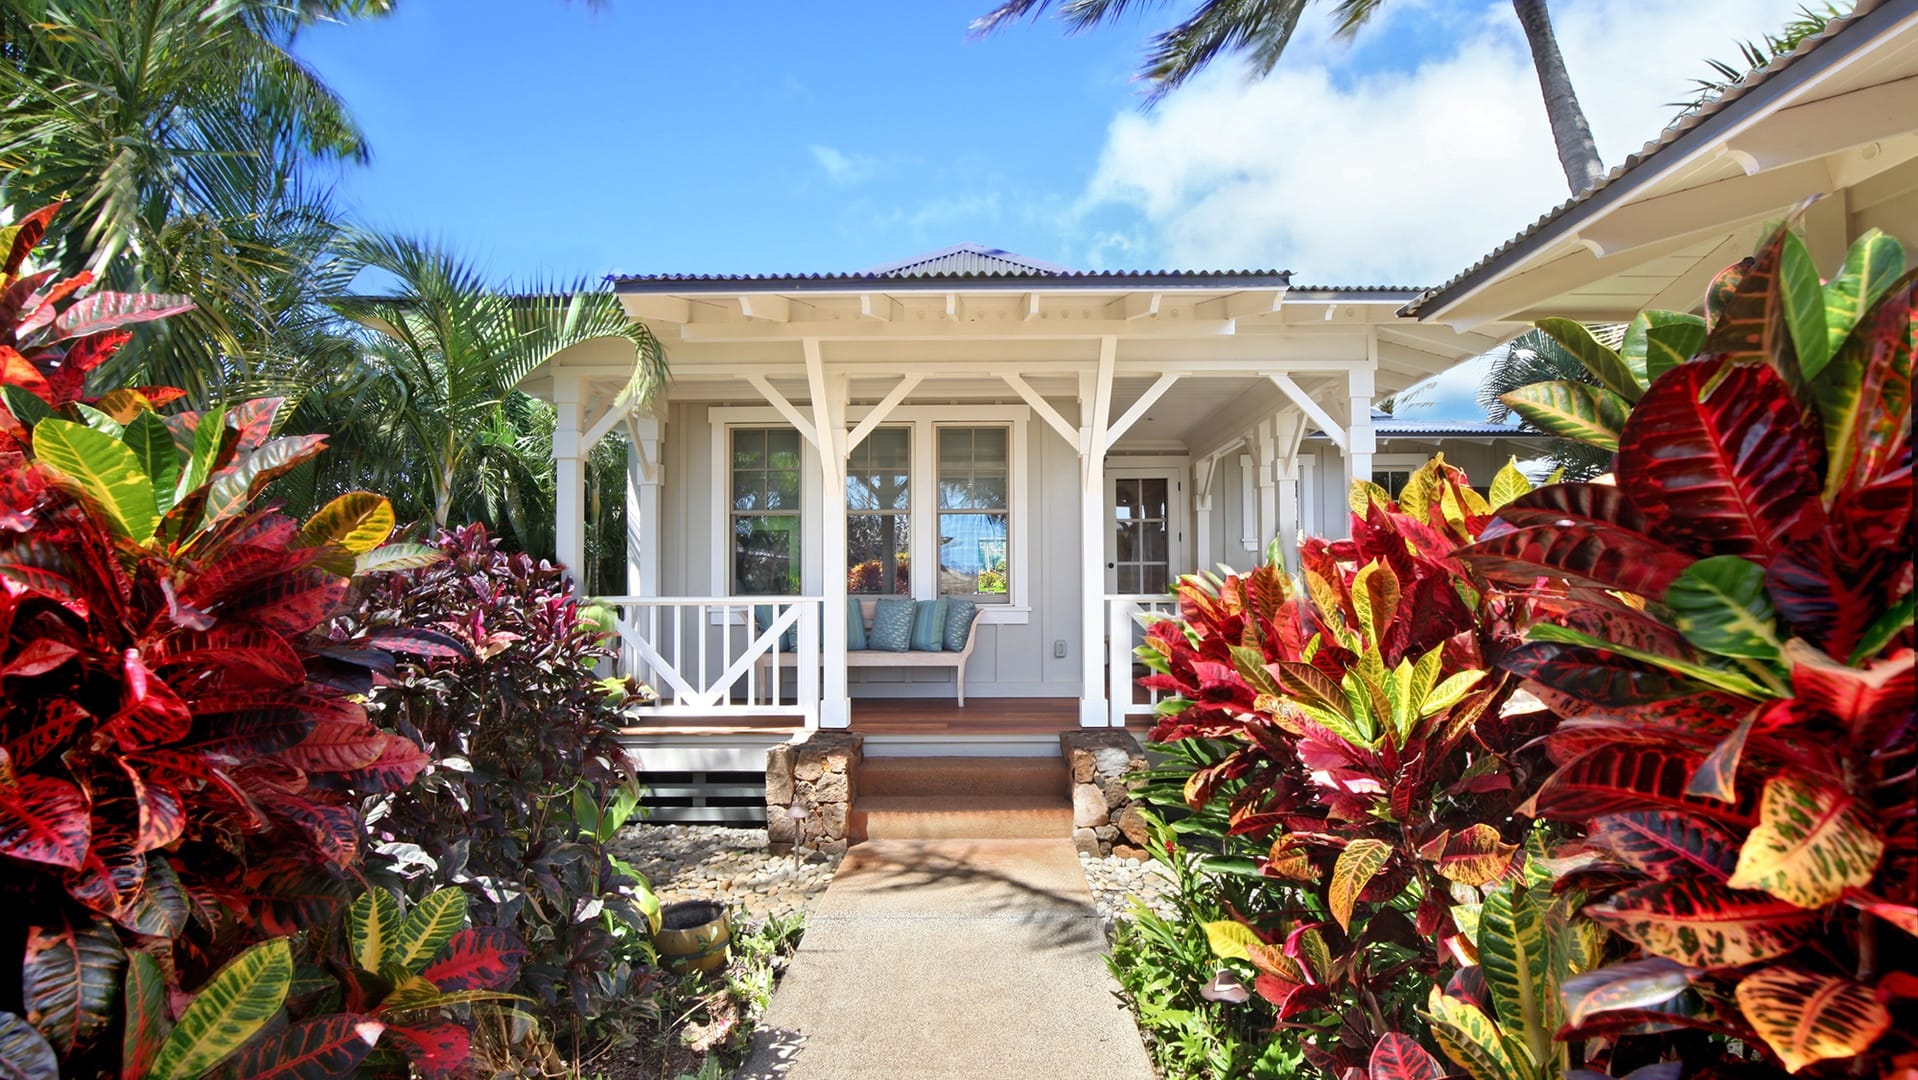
[1271, 959]
[432, 922]
[1363, 494]
[1358, 864]
[1288, 860]
[1229, 938]
[1508, 484]
[372, 925]
[230, 1009]
[1415, 499]
[1471, 1040]
[1474, 856]
[1325, 598]
[1375, 600]
[1512, 952]
[1812, 841]
[1806, 1017]
[1449, 693]
[1318, 955]
[358, 521]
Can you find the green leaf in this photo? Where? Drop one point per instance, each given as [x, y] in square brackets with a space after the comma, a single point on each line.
[1672, 342]
[396, 557]
[147, 1021]
[1883, 628]
[233, 1006]
[432, 922]
[209, 437]
[1228, 939]
[1813, 841]
[1578, 411]
[1509, 484]
[373, 927]
[358, 521]
[1605, 365]
[1711, 676]
[25, 405]
[1357, 865]
[1873, 264]
[147, 436]
[99, 421]
[1720, 605]
[105, 470]
[1513, 955]
[1804, 302]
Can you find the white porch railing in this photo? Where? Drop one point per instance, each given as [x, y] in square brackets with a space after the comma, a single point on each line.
[1127, 616]
[702, 653]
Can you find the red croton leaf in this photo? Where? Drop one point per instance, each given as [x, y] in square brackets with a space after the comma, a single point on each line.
[44, 819]
[478, 958]
[338, 746]
[1592, 553]
[1718, 458]
[399, 764]
[111, 310]
[1703, 923]
[1627, 777]
[436, 1050]
[1870, 704]
[1666, 844]
[327, 1046]
[1398, 1056]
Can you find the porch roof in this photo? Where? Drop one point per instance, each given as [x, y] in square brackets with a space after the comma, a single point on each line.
[1837, 117]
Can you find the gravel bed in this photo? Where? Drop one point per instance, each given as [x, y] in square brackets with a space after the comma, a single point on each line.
[707, 862]
[716, 862]
[1116, 882]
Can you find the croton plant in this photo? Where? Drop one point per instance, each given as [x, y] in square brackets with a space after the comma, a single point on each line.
[1367, 748]
[180, 755]
[1726, 629]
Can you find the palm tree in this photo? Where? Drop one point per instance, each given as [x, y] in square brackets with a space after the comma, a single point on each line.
[183, 136]
[428, 410]
[1263, 28]
[1534, 357]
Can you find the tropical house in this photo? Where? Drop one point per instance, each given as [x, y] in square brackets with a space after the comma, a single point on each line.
[1051, 446]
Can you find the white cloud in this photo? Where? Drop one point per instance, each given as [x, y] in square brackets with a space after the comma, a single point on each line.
[1348, 175]
[843, 168]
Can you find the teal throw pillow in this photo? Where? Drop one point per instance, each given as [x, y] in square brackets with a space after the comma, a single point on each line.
[959, 623]
[929, 625]
[763, 616]
[855, 626]
[891, 625]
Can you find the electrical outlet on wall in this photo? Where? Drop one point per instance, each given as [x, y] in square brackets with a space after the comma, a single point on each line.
[1059, 649]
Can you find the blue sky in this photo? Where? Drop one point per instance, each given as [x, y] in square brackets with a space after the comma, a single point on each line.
[550, 141]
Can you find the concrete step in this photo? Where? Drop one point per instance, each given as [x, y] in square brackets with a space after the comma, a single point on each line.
[960, 817]
[962, 776]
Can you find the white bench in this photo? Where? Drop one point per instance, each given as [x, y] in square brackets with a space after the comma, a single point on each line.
[887, 658]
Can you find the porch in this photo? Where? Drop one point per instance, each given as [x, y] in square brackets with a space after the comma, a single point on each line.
[1053, 447]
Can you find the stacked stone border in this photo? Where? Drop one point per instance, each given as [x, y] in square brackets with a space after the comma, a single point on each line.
[816, 776]
[1100, 767]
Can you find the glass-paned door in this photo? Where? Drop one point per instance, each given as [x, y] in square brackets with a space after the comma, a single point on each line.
[1145, 542]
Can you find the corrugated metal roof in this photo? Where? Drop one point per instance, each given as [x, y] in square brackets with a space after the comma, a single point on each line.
[1679, 130]
[1386, 426]
[966, 259]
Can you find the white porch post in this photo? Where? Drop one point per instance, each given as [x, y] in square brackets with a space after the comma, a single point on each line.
[1265, 454]
[569, 502]
[642, 505]
[1361, 442]
[828, 409]
[1095, 406]
[1203, 472]
[1287, 469]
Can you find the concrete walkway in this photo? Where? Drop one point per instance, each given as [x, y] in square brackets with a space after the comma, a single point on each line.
[950, 958]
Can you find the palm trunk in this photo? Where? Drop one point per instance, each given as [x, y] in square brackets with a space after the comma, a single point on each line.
[1577, 153]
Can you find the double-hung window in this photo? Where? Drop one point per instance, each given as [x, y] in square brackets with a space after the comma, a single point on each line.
[974, 512]
[765, 511]
[879, 513]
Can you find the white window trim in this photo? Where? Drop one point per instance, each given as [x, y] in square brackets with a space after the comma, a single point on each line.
[924, 420]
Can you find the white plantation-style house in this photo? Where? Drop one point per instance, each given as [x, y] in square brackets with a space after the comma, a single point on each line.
[858, 483]
[1049, 449]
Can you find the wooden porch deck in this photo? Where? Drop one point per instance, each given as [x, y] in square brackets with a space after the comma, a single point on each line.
[984, 717]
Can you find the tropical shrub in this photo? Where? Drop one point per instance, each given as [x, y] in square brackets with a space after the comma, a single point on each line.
[1727, 632]
[1346, 741]
[179, 763]
[528, 783]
